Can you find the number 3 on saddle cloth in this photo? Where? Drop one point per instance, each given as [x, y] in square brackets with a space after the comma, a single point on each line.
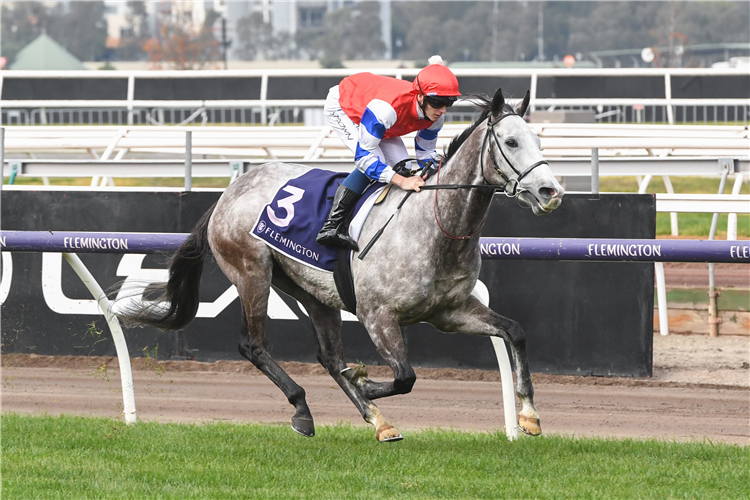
[291, 221]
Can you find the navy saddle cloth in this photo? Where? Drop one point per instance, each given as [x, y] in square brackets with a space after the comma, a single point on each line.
[292, 220]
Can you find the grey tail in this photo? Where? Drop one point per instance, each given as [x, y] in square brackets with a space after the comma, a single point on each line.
[172, 305]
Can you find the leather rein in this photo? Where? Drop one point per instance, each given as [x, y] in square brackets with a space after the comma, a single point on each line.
[514, 183]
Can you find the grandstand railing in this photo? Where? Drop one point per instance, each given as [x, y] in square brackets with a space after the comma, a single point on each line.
[262, 110]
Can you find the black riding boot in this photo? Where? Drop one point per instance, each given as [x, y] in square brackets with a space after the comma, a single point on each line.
[335, 231]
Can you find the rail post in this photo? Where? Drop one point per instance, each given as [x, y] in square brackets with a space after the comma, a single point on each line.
[506, 372]
[188, 160]
[668, 96]
[595, 172]
[713, 294]
[2, 162]
[121, 347]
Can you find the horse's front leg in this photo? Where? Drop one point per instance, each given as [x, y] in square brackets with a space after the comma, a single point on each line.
[476, 319]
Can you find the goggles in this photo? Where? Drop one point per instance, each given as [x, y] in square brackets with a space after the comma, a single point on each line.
[438, 102]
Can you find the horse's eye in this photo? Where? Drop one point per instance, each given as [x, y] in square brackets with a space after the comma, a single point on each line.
[511, 143]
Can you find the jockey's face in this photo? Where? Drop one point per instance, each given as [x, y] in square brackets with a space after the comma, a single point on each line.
[433, 114]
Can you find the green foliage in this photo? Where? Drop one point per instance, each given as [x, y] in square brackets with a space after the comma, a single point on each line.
[256, 39]
[476, 31]
[331, 63]
[82, 30]
[77, 457]
[78, 26]
[136, 33]
[21, 25]
[352, 32]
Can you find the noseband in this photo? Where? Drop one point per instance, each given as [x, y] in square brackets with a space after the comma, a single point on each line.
[509, 183]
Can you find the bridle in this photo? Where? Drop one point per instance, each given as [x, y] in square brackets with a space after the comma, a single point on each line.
[514, 183]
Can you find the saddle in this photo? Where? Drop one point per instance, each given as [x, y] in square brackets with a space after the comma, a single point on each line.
[289, 222]
[297, 211]
[342, 272]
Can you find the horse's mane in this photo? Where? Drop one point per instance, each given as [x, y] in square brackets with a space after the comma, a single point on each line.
[484, 103]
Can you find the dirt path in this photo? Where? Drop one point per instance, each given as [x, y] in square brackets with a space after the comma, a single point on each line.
[700, 389]
[690, 274]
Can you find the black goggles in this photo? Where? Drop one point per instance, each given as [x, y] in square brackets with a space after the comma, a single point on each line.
[438, 102]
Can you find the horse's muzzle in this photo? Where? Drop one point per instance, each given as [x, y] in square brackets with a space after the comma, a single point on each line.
[545, 201]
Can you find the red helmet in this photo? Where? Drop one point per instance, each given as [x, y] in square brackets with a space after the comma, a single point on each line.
[436, 80]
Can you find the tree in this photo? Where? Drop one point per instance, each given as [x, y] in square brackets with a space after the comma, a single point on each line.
[181, 46]
[257, 40]
[137, 34]
[614, 26]
[82, 30]
[22, 23]
[364, 33]
[352, 32]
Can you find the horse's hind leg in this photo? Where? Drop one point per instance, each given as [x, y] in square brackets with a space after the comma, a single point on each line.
[476, 319]
[386, 334]
[327, 327]
[326, 323]
[253, 346]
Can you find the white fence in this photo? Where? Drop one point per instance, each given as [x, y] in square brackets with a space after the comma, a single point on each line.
[128, 110]
[309, 143]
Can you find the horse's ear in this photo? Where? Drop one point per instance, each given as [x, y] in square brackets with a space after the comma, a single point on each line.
[522, 106]
[498, 102]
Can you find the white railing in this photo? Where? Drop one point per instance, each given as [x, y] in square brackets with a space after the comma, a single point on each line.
[264, 104]
[558, 140]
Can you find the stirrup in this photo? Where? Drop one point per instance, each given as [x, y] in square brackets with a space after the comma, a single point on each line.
[337, 239]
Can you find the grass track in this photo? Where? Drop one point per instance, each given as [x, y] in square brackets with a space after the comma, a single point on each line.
[81, 457]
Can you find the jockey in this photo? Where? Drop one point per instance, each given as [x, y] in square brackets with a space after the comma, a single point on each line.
[370, 113]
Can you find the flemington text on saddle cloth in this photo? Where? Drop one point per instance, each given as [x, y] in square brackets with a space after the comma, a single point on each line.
[291, 221]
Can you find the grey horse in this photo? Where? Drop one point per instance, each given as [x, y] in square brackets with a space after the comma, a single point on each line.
[422, 269]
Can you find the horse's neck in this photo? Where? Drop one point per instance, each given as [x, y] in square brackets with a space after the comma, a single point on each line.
[463, 209]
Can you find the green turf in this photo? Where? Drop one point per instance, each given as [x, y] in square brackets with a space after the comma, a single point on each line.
[680, 184]
[728, 300]
[699, 225]
[76, 457]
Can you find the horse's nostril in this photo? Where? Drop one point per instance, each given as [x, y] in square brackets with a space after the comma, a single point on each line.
[547, 192]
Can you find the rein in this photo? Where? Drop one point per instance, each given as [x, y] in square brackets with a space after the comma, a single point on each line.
[496, 187]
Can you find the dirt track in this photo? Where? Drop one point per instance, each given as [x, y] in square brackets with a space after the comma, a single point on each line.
[700, 389]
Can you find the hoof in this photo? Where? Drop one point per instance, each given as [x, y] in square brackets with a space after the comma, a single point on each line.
[529, 425]
[387, 433]
[357, 375]
[304, 426]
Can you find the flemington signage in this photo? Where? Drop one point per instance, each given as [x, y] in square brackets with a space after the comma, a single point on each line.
[616, 250]
[500, 249]
[740, 252]
[605, 250]
[509, 248]
[269, 232]
[96, 243]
